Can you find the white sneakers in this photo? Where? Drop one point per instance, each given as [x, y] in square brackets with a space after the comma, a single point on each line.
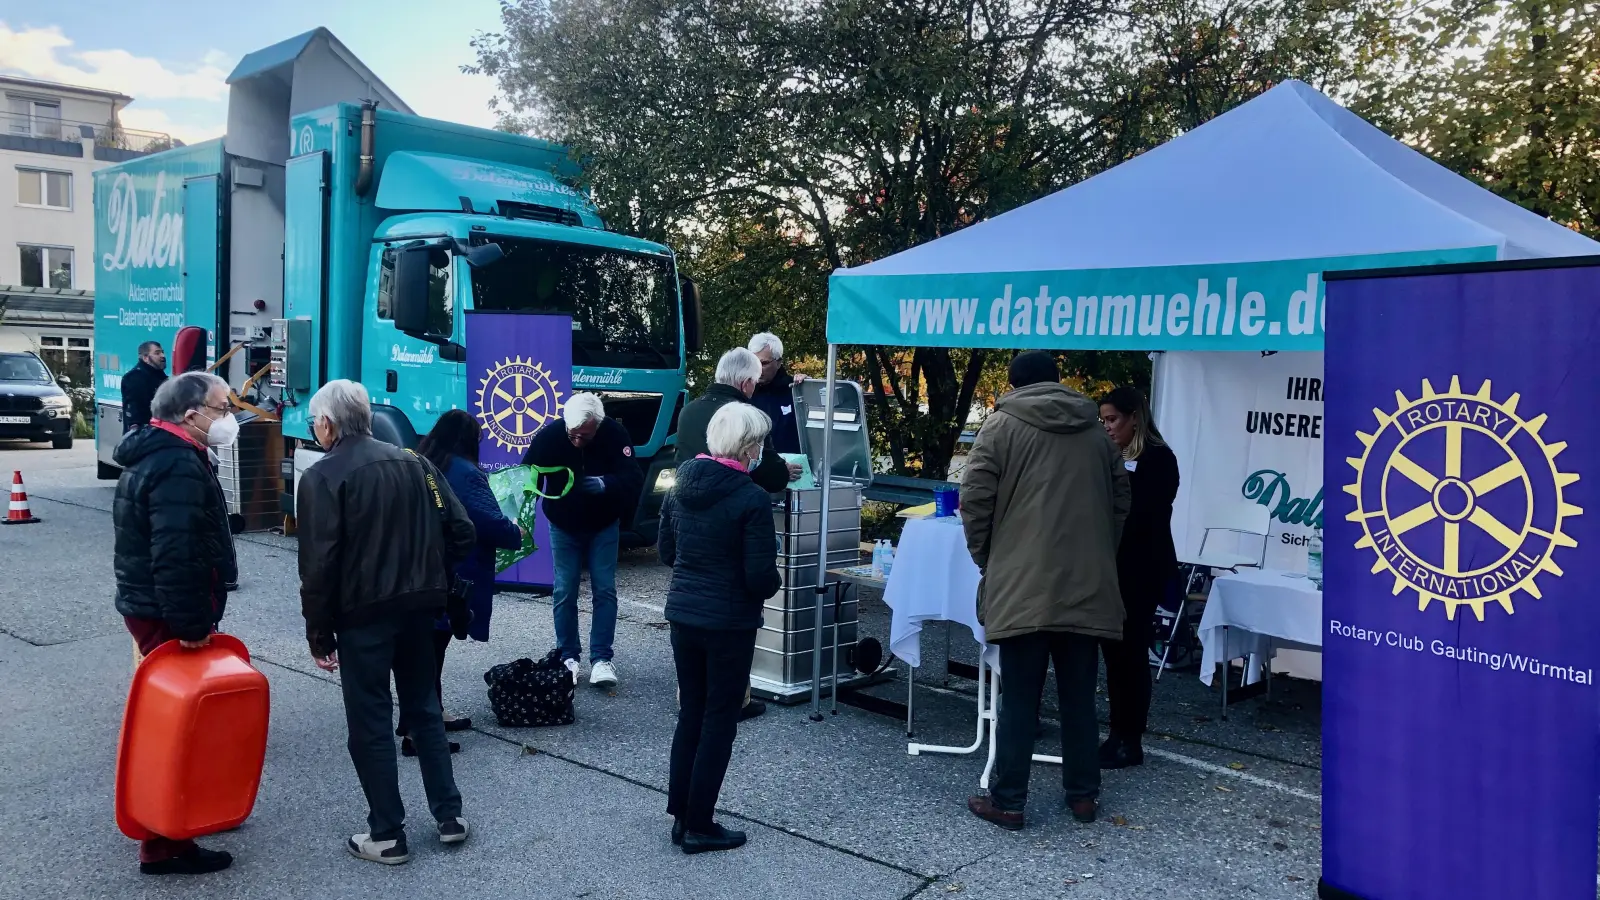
[394, 853]
[602, 674]
[576, 670]
[388, 853]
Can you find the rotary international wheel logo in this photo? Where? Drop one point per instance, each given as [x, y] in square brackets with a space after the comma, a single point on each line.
[514, 399]
[1460, 498]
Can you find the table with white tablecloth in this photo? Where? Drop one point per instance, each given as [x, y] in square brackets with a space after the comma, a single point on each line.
[1254, 613]
[934, 579]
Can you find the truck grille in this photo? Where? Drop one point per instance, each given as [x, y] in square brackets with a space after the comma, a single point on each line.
[9, 403]
[636, 411]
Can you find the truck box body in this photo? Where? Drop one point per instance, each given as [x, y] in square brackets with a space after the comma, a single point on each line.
[158, 221]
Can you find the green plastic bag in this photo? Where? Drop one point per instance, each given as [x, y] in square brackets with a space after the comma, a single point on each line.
[516, 489]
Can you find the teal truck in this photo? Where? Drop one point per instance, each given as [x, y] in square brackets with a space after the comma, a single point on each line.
[333, 234]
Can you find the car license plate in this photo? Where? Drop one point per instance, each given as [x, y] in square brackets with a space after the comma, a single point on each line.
[15, 420]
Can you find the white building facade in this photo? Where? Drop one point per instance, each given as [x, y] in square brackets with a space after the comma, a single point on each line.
[53, 137]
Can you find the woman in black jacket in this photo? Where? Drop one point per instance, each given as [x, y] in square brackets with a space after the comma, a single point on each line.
[718, 536]
[452, 447]
[1146, 566]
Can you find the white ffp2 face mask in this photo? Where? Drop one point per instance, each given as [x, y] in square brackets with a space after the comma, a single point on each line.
[224, 431]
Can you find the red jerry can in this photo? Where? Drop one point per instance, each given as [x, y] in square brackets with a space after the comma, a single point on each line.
[194, 738]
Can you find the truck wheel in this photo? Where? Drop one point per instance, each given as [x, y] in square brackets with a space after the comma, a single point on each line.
[106, 472]
[63, 442]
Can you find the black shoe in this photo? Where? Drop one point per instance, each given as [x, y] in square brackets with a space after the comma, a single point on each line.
[199, 861]
[721, 839]
[1119, 753]
[752, 709]
[461, 724]
[407, 748]
[677, 832]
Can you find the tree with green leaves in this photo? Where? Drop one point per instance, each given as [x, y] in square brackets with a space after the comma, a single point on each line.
[1508, 94]
[773, 141]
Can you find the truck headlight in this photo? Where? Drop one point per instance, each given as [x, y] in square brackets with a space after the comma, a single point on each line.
[58, 402]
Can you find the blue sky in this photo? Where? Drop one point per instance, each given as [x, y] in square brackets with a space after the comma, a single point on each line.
[172, 56]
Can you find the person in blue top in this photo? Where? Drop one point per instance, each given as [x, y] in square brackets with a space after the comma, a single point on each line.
[452, 447]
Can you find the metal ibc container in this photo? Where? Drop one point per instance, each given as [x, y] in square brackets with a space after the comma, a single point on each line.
[248, 470]
[784, 645]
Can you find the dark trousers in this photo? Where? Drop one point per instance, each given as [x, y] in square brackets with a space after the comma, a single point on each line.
[1024, 660]
[713, 672]
[1128, 661]
[403, 645]
[441, 643]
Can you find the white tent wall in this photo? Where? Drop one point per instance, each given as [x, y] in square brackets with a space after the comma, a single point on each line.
[1247, 431]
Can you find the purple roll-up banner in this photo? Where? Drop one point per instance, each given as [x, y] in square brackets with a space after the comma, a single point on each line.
[519, 370]
[1461, 627]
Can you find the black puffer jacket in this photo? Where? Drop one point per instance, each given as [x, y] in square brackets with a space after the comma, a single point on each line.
[173, 552]
[374, 542]
[718, 536]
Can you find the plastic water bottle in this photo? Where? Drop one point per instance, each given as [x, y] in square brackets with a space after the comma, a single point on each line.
[877, 559]
[888, 557]
[1314, 558]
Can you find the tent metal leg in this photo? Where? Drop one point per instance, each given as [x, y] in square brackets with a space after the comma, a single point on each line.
[822, 548]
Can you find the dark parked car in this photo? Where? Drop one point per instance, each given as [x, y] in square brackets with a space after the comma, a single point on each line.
[33, 406]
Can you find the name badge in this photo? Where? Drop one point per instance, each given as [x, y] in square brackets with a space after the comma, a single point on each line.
[786, 409]
[1132, 465]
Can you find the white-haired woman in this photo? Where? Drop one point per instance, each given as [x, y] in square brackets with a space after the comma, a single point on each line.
[717, 535]
[586, 524]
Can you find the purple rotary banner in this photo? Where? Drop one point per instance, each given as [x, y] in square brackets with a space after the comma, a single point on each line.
[1460, 724]
[519, 370]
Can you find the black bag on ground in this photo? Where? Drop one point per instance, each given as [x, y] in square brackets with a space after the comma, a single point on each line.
[525, 693]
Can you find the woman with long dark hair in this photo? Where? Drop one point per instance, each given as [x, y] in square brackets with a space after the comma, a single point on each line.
[452, 446]
[1147, 563]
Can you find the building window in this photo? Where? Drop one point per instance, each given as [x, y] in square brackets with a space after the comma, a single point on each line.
[36, 187]
[33, 118]
[68, 356]
[46, 266]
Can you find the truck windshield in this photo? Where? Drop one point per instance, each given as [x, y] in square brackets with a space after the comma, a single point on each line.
[623, 306]
[23, 368]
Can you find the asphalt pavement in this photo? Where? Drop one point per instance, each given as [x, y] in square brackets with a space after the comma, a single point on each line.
[1220, 809]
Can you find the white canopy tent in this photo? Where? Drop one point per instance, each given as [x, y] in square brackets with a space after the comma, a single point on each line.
[1215, 241]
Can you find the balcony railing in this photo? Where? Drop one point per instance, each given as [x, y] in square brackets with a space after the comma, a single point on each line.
[104, 134]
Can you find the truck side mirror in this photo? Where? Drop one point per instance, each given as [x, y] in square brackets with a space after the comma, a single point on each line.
[410, 291]
[690, 292]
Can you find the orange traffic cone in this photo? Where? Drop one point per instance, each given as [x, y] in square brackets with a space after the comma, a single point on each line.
[19, 514]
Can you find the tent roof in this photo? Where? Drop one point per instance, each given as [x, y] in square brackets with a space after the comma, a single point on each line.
[1288, 175]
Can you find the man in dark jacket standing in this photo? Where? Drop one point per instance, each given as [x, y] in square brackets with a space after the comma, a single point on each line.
[1042, 502]
[773, 394]
[173, 550]
[380, 535]
[738, 373]
[586, 524]
[140, 383]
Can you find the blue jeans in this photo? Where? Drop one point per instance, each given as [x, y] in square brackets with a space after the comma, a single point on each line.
[574, 551]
